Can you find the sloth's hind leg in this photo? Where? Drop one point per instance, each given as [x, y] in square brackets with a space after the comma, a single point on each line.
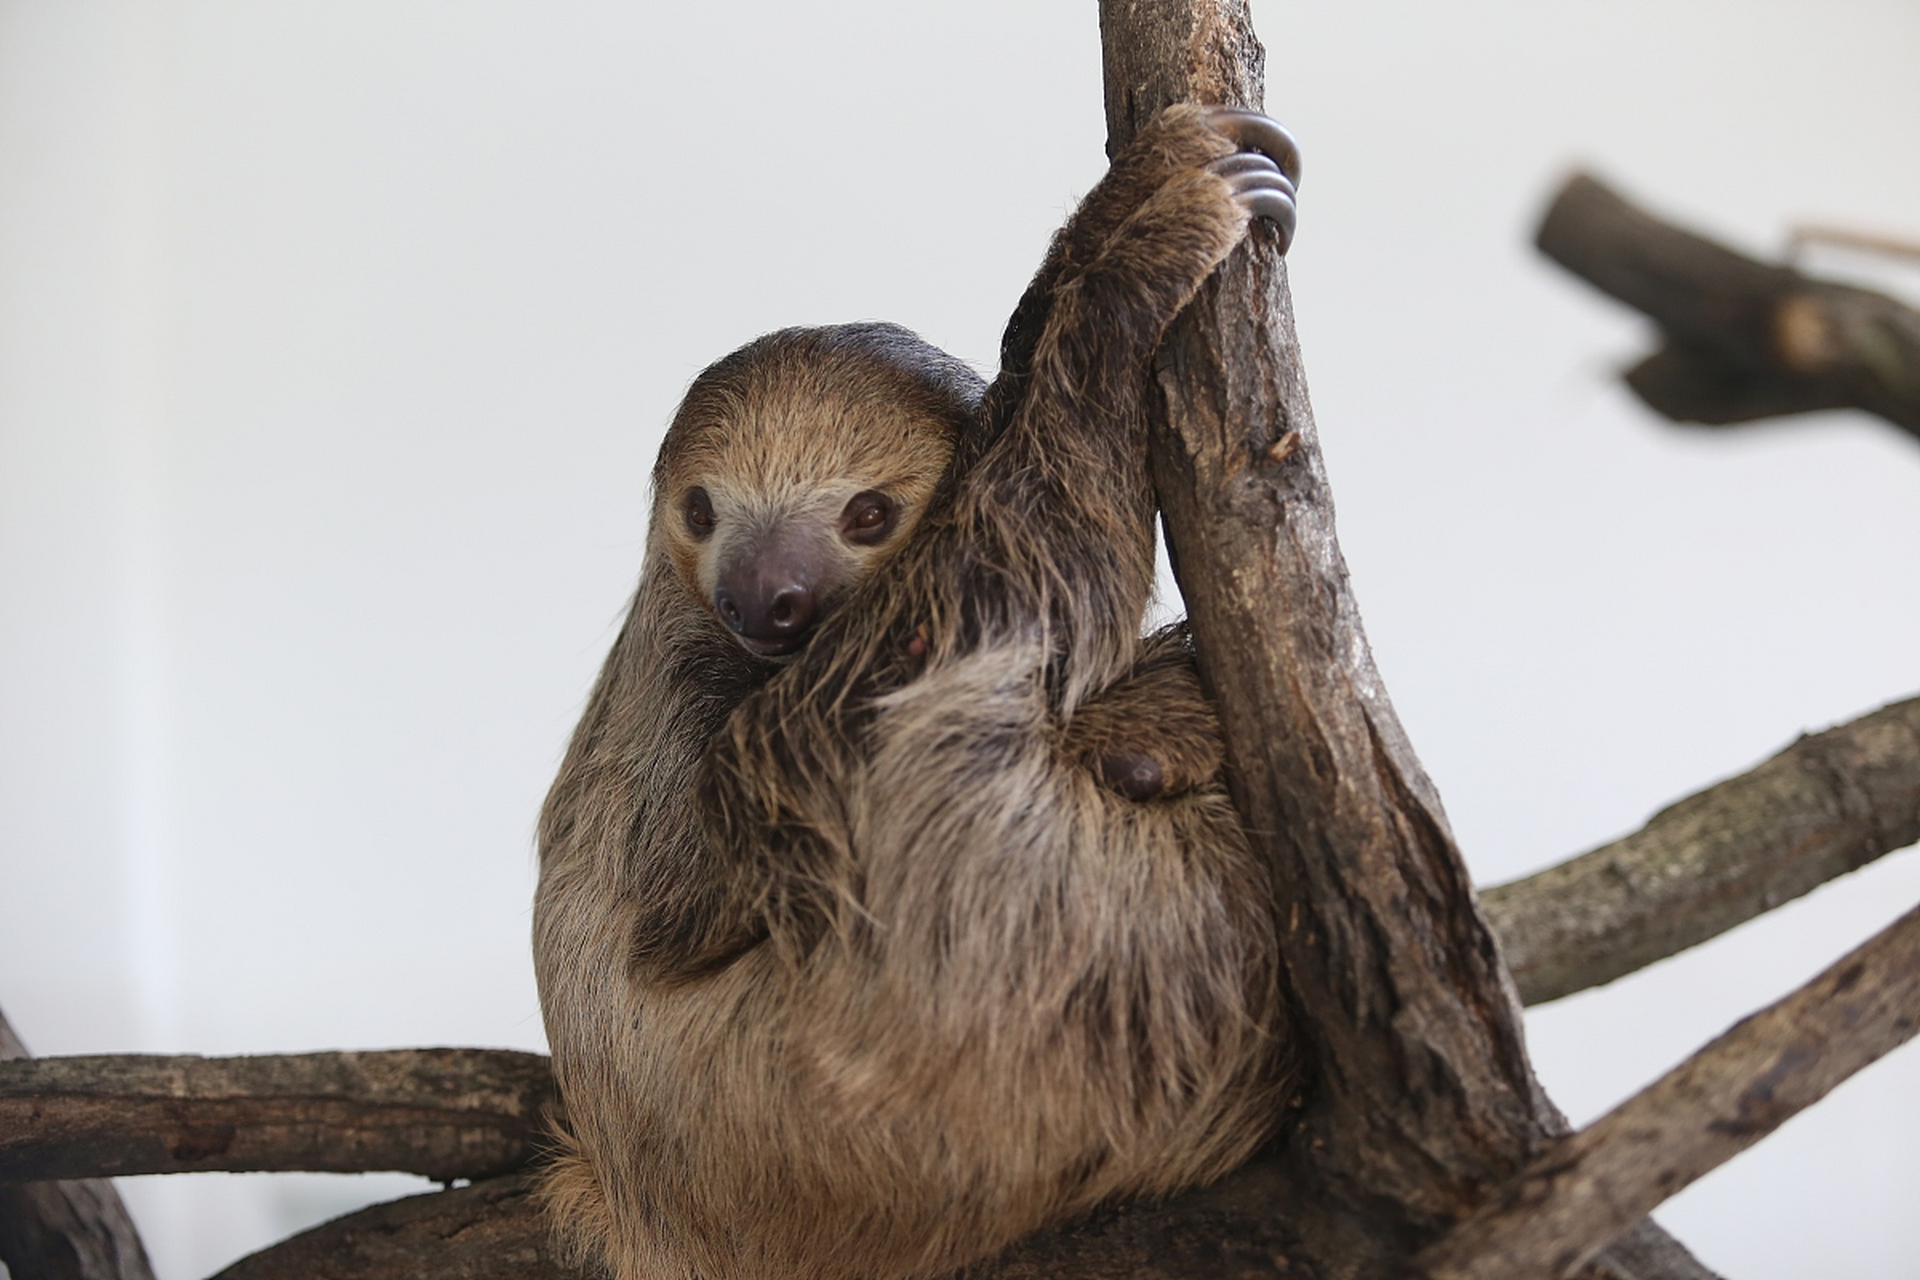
[1152, 735]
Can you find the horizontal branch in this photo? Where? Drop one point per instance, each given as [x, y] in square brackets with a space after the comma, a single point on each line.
[444, 1113]
[1586, 1189]
[1826, 805]
[493, 1230]
[496, 1230]
[1746, 339]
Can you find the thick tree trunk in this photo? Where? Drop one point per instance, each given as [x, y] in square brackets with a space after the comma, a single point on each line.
[1419, 1097]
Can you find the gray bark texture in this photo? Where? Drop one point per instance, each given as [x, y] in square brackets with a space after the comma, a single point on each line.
[66, 1230]
[1826, 805]
[444, 1113]
[1745, 339]
[1713, 1106]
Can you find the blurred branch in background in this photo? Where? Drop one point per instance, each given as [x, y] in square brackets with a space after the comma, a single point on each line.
[1744, 339]
[1813, 233]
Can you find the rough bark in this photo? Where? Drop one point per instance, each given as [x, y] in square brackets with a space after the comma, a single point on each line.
[1397, 978]
[66, 1230]
[1746, 339]
[1826, 805]
[491, 1230]
[1768, 1068]
[444, 1113]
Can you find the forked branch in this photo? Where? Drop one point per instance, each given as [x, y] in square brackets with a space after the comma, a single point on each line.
[1582, 1191]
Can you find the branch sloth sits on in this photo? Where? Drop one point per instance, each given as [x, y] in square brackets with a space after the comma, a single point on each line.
[891, 906]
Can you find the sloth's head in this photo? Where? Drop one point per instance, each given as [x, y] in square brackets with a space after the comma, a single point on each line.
[799, 464]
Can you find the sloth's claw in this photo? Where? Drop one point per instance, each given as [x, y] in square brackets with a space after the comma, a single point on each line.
[1252, 131]
[1276, 209]
[1248, 171]
[1265, 174]
[1265, 193]
[1262, 189]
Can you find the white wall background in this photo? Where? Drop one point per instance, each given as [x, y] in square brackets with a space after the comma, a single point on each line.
[336, 339]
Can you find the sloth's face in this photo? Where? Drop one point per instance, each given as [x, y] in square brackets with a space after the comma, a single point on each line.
[773, 565]
[773, 518]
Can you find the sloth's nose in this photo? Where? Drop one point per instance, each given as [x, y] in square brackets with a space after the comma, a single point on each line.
[790, 611]
[775, 589]
[765, 610]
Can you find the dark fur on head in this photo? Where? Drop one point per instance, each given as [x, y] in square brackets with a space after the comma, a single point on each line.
[861, 964]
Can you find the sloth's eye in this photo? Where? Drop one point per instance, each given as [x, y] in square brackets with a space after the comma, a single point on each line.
[699, 513]
[869, 517]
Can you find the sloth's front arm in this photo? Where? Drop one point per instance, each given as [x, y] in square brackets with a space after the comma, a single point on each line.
[1020, 598]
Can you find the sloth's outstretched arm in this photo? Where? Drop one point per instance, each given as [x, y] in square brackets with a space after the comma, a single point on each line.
[1053, 524]
[1265, 173]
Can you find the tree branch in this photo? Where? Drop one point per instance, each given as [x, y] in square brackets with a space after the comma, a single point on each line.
[1397, 978]
[444, 1113]
[1746, 339]
[492, 1230]
[66, 1230]
[1769, 1067]
[1420, 1093]
[1826, 805]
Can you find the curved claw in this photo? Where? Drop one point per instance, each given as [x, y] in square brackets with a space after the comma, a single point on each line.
[1254, 132]
[1245, 170]
[1276, 209]
[1262, 189]
[1246, 162]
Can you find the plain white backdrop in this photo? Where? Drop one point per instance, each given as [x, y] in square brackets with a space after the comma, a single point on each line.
[336, 340]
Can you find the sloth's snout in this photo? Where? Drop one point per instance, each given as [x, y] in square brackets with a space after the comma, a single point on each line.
[770, 599]
[758, 611]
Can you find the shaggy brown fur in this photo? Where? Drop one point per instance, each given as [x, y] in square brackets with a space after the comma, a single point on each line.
[863, 965]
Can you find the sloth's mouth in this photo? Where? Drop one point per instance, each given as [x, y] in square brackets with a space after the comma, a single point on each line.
[783, 647]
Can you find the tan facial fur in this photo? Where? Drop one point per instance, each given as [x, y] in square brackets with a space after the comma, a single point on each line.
[780, 448]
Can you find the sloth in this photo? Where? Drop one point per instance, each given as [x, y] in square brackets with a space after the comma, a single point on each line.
[891, 906]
